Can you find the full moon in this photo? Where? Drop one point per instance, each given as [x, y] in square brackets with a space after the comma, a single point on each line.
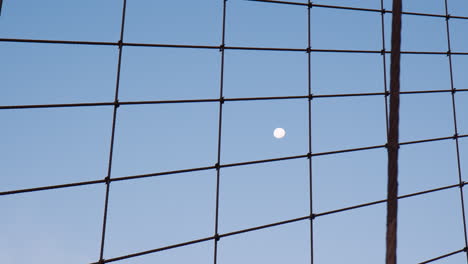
[279, 133]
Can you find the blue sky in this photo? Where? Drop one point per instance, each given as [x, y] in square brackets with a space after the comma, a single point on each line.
[40, 147]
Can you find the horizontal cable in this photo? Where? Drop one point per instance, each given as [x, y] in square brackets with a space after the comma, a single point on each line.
[155, 250]
[51, 41]
[266, 49]
[346, 150]
[383, 201]
[280, 2]
[433, 91]
[140, 176]
[201, 240]
[51, 187]
[265, 226]
[262, 161]
[2, 107]
[119, 44]
[357, 9]
[280, 223]
[428, 140]
[274, 2]
[444, 256]
[55, 105]
[104, 43]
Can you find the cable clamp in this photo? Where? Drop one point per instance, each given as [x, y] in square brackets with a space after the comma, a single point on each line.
[455, 136]
[310, 5]
[217, 167]
[116, 103]
[449, 52]
[308, 50]
[309, 155]
[107, 180]
[221, 100]
[447, 17]
[382, 52]
[311, 96]
[120, 43]
[216, 237]
[383, 11]
[312, 216]
[387, 93]
[221, 47]
[387, 146]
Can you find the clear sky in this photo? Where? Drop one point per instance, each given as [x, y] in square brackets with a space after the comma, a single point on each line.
[40, 147]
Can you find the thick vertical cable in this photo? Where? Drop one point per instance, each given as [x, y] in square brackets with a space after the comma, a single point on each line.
[114, 120]
[309, 155]
[1, 5]
[220, 125]
[393, 135]
[455, 126]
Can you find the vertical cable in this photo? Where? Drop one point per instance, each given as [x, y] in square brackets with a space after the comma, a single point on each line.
[220, 121]
[309, 155]
[114, 119]
[455, 126]
[384, 63]
[1, 5]
[393, 134]
[384, 67]
[386, 94]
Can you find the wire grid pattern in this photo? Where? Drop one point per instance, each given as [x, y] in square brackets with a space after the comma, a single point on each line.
[310, 97]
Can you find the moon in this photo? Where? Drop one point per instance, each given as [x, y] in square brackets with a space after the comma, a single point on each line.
[279, 132]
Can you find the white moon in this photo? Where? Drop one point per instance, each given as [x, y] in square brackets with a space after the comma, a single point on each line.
[279, 133]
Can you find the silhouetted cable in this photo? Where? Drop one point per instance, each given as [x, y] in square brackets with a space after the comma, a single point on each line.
[220, 127]
[393, 136]
[275, 224]
[292, 97]
[147, 175]
[282, 2]
[455, 126]
[112, 139]
[384, 201]
[354, 8]
[204, 239]
[384, 64]
[124, 178]
[123, 44]
[51, 187]
[309, 106]
[443, 256]
[392, 140]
